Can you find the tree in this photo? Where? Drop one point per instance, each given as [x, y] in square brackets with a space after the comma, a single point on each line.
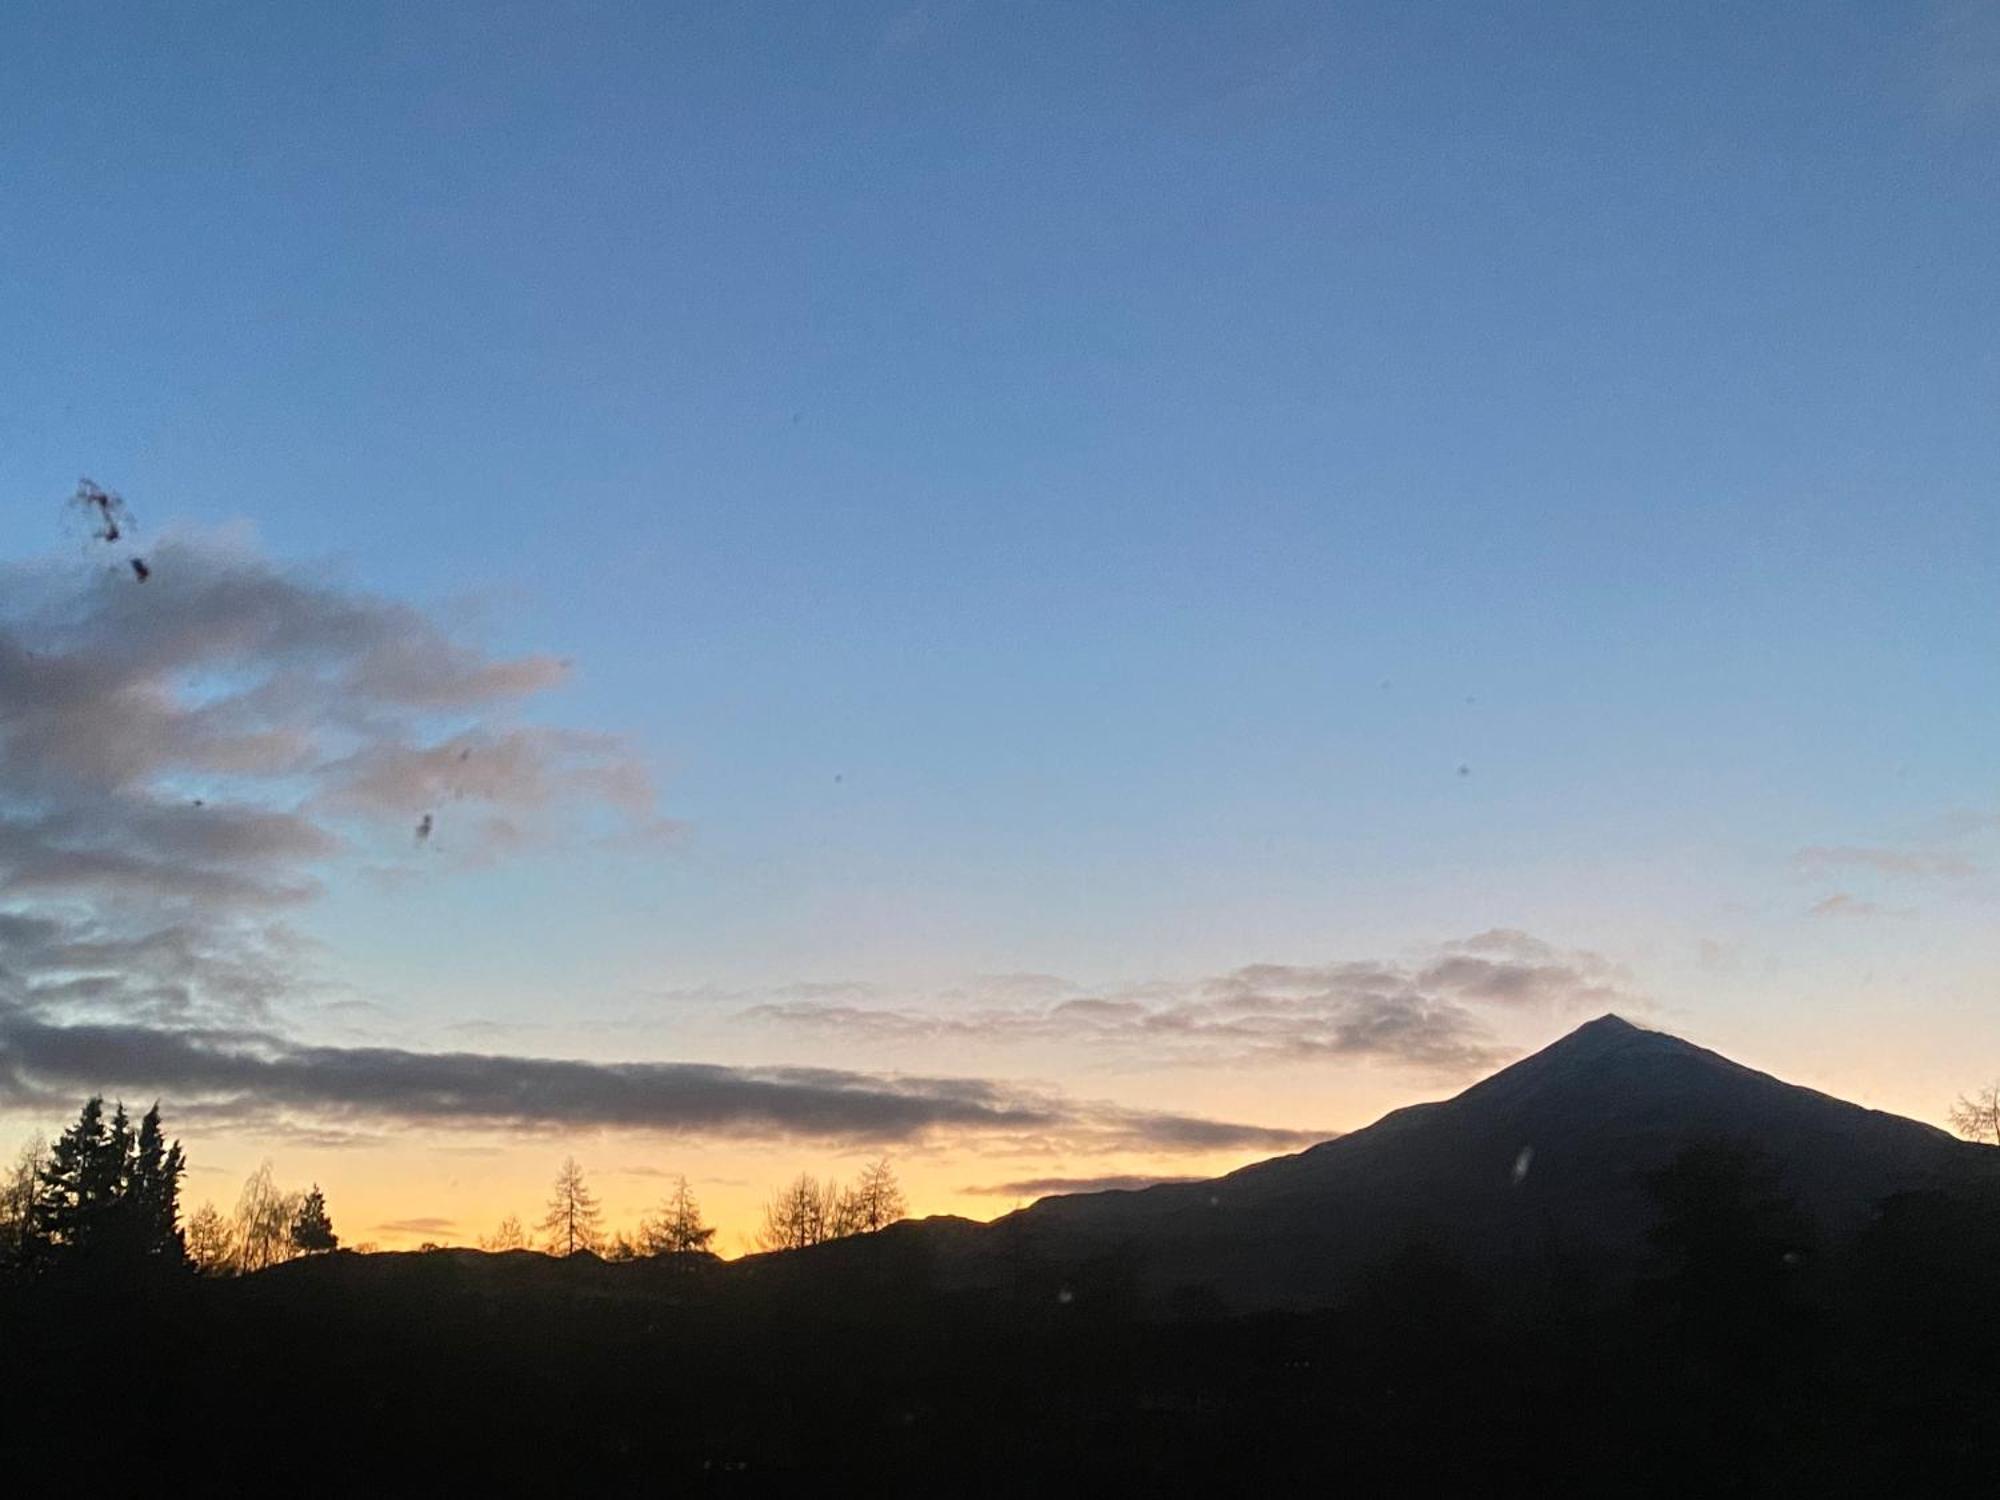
[153, 1193]
[76, 1191]
[211, 1244]
[572, 1219]
[803, 1213]
[17, 1201]
[509, 1236]
[1978, 1118]
[109, 1195]
[312, 1231]
[876, 1200]
[677, 1229]
[264, 1215]
[619, 1248]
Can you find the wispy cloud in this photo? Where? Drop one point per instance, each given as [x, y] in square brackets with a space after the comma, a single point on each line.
[421, 1225]
[1915, 863]
[1426, 1014]
[1043, 1187]
[1842, 904]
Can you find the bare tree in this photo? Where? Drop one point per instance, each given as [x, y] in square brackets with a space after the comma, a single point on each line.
[572, 1219]
[803, 1213]
[509, 1236]
[677, 1228]
[264, 1215]
[1978, 1118]
[17, 1198]
[876, 1200]
[211, 1244]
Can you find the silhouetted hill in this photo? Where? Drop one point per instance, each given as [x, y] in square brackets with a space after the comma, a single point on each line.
[1545, 1157]
[1414, 1314]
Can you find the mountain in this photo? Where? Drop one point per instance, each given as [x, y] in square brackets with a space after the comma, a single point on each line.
[1546, 1156]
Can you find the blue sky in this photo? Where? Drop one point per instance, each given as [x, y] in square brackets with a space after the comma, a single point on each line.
[1065, 488]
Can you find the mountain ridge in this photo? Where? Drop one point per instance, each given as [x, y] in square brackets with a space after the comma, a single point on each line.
[1551, 1150]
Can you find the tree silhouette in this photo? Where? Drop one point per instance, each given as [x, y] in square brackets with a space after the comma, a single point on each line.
[573, 1216]
[78, 1185]
[508, 1236]
[312, 1231]
[153, 1193]
[108, 1194]
[678, 1229]
[211, 1244]
[876, 1200]
[803, 1213]
[17, 1201]
[264, 1215]
[1977, 1117]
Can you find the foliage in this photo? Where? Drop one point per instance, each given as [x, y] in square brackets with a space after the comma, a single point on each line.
[107, 1194]
[312, 1231]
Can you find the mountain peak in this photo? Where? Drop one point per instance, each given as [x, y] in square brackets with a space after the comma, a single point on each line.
[1608, 1031]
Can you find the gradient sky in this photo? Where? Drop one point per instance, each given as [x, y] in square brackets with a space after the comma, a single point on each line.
[1053, 503]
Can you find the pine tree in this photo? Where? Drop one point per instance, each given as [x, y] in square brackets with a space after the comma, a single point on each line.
[312, 1230]
[77, 1196]
[109, 1195]
[572, 1219]
[153, 1194]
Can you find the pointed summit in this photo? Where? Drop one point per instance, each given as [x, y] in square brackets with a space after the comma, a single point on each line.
[1553, 1149]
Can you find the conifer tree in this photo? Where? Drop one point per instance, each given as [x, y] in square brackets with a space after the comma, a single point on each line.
[312, 1230]
[79, 1185]
[572, 1220]
[109, 1194]
[153, 1193]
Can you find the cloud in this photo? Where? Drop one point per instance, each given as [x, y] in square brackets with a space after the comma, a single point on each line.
[185, 761]
[1042, 1187]
[249, 1078]
[1841, 904]
[420, 1225]
[1426, 1014]
[1920, 863]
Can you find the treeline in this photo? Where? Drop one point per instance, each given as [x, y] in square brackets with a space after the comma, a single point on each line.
[106, 1196]
[806, 1211]
[109, 1192]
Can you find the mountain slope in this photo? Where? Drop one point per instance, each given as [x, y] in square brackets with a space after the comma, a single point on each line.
[1546, 1155]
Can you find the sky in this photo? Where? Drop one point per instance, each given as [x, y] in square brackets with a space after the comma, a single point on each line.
[1061, 592]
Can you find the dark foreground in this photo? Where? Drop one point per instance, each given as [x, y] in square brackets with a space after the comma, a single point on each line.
[1735, 1367]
